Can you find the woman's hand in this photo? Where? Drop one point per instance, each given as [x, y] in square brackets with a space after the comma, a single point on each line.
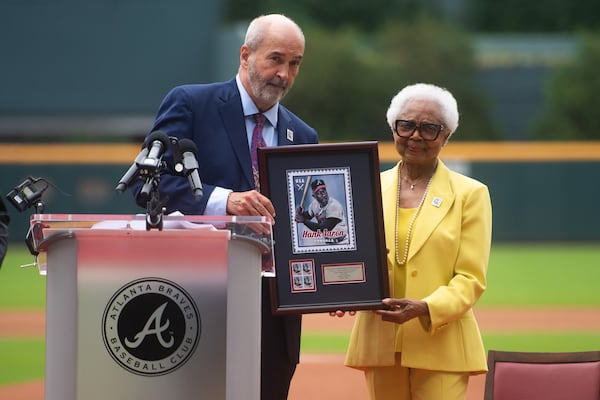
[402, 310]
[340, 313]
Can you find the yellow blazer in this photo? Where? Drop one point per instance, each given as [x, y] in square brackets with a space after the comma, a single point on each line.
[446, 266]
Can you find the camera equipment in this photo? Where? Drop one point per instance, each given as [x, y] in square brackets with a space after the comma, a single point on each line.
[27, 194]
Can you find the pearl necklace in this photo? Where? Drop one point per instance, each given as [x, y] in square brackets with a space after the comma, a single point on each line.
[412, 220]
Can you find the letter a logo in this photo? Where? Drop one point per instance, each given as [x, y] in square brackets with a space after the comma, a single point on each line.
[157, 330]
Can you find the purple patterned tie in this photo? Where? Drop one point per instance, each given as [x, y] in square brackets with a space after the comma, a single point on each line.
[257, 141]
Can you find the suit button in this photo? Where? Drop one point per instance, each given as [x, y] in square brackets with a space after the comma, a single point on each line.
[414, 273]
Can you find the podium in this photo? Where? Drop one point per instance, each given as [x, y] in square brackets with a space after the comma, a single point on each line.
[152, 314]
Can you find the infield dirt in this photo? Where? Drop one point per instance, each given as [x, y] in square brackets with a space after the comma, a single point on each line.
[323, 376]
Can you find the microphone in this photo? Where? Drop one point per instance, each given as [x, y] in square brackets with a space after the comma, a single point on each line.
[189, 166]
[158, 142]
[132, 173]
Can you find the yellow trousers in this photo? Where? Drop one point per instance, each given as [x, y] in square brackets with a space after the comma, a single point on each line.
[401, 383]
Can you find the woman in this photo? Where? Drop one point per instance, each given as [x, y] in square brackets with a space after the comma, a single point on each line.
[438, 227]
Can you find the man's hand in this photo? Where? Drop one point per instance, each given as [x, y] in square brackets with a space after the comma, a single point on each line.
[402, 310]
[251, 203]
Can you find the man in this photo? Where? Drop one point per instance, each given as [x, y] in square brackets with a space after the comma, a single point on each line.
[325, 216]
[218, 117]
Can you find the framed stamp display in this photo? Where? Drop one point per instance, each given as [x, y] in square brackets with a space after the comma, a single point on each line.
[329, 246]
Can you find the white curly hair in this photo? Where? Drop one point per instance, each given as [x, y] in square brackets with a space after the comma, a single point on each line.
[430, 92]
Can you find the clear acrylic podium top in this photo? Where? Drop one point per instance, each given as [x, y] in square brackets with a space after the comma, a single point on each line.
[47, 228]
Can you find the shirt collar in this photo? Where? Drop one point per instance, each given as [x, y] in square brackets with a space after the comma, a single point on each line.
[250, 108]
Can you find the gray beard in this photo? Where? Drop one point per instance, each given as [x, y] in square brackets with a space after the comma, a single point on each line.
[263, 91]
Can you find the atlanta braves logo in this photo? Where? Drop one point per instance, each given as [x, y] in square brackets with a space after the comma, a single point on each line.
[154, 320]
[151, 326]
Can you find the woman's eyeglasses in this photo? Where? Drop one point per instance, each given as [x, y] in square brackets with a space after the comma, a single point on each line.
[428, 131]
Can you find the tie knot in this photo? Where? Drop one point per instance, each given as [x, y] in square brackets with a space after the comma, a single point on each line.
[259, 119]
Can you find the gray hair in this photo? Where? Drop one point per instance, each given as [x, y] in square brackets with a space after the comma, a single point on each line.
[429, 92]
[259, 25]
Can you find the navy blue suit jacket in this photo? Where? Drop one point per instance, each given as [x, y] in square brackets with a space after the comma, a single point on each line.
[212, 116]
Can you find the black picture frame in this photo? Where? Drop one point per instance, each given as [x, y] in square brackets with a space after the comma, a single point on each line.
[323, 270]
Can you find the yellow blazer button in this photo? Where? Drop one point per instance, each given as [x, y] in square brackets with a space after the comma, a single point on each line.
[414, 273]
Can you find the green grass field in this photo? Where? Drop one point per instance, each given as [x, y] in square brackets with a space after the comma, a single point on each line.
[569, 341]
[543, 275]
[539, 275]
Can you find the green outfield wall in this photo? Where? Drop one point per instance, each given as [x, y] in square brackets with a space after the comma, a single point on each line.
[540, 192]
